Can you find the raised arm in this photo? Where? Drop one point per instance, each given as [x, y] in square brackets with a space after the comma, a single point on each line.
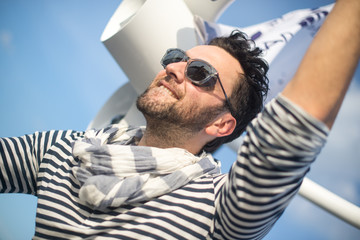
[325, 73]
[284, 139]
[20, 159]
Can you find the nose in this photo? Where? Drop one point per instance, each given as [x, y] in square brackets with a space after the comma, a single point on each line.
[176, 71]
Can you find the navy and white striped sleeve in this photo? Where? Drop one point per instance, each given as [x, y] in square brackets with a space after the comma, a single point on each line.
[280, 145]
[20, 158]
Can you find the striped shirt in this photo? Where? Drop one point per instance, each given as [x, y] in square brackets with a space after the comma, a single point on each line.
[242, 204]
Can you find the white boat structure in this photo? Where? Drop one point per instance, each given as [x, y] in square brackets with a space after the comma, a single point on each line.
[140, 31]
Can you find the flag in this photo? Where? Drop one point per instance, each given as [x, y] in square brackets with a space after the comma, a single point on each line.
[284, 40]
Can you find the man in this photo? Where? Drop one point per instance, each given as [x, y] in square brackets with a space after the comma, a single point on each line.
[158, 182]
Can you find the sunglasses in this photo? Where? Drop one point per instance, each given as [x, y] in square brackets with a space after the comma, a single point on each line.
[198, 71]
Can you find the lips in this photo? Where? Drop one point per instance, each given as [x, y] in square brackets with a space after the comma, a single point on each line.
[166, 87]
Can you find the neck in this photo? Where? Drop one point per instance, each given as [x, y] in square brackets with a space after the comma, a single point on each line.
[158, 135]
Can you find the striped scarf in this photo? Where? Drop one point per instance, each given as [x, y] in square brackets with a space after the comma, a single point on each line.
[113, 171]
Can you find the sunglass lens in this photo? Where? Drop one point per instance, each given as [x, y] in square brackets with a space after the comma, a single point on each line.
[198, 71]
[173, 56]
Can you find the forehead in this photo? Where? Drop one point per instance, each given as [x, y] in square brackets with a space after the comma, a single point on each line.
[221, 60]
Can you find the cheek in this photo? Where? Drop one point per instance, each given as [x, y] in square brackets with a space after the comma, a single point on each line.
[197, 98]
[192, 92]
[203, 96]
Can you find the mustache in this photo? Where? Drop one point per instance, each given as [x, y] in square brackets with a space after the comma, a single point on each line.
[167, 78]
[179, 89]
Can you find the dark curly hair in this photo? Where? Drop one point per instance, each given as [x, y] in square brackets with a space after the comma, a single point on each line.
[250, 91]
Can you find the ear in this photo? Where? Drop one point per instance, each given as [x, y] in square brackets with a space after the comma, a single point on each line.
[224, 125]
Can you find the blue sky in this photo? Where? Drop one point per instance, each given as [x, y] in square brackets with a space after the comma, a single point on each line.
[56, 74]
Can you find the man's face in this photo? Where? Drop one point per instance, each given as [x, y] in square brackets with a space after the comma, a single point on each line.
[172, 98]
